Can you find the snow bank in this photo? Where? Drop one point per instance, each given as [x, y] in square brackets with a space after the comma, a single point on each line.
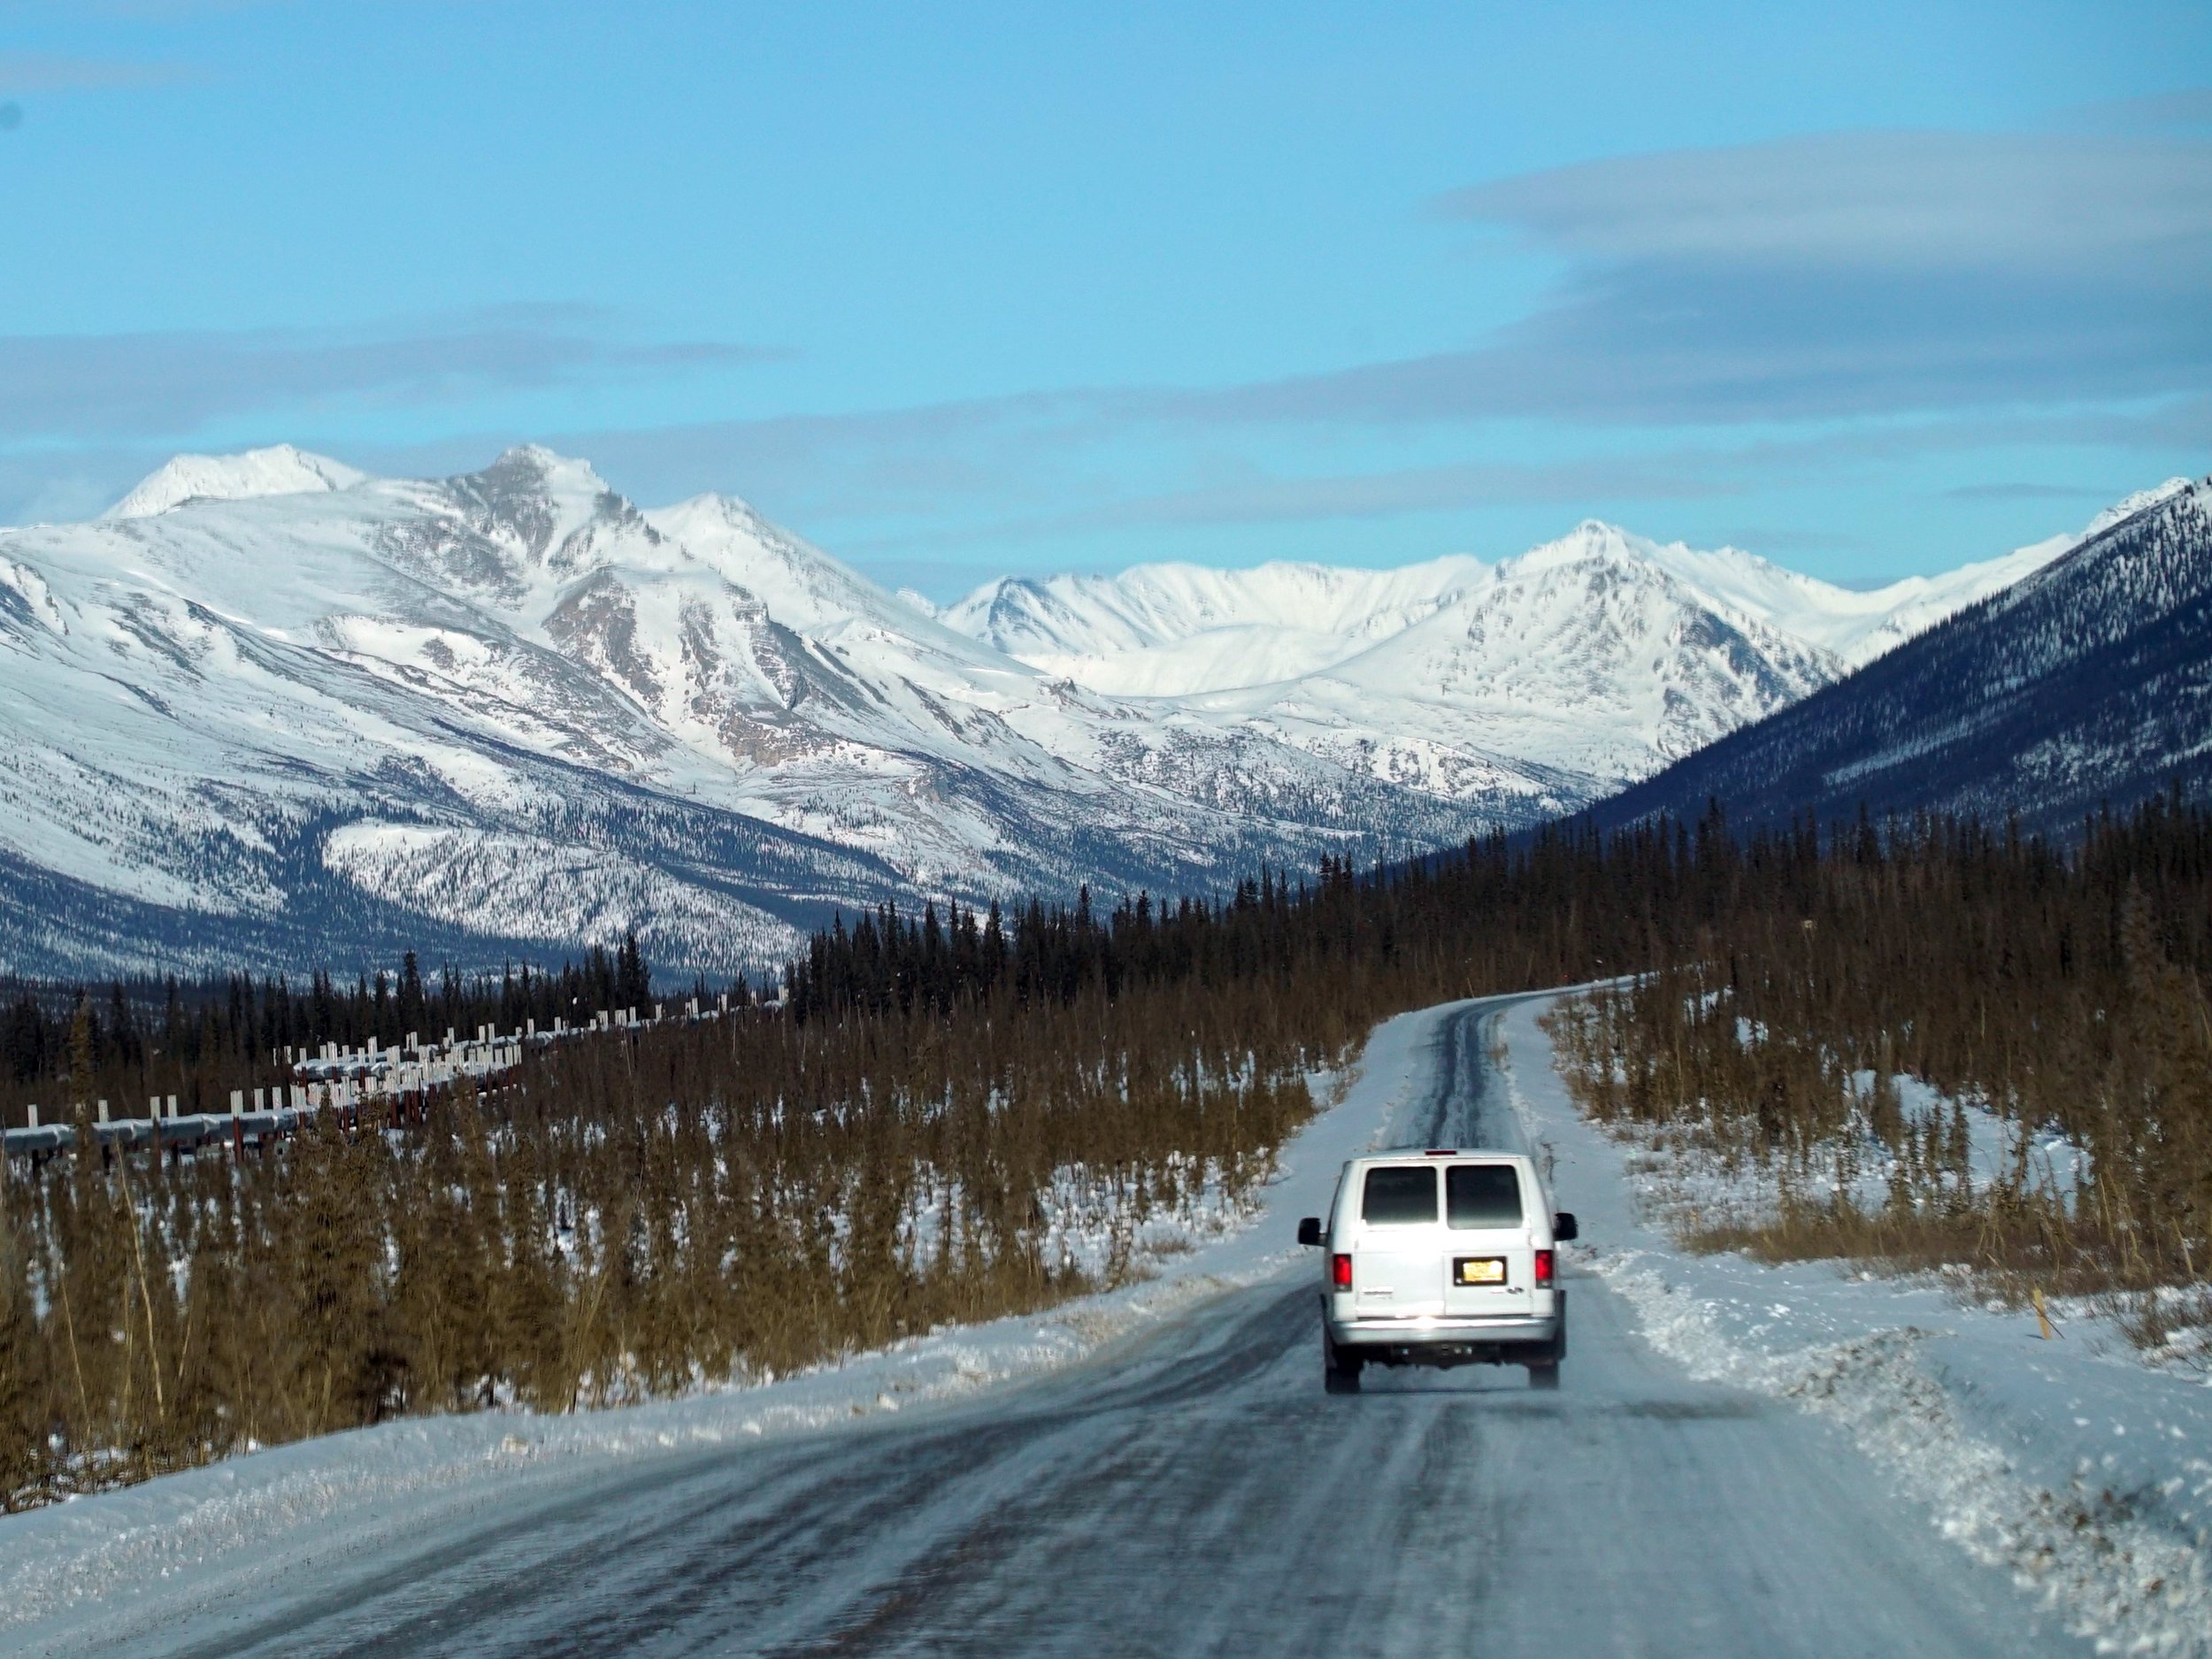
[2072, 1463]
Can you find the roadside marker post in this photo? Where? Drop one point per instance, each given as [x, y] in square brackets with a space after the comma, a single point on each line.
[2042, 1318]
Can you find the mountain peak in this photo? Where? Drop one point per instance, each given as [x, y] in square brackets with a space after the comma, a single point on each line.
[543, 501]
[1591, 539]
[278, 470]
[534, 468]
[714, 507]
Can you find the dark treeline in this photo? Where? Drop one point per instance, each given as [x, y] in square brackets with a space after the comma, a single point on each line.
[202, 1039]
[1487, 916]
[2062, 987]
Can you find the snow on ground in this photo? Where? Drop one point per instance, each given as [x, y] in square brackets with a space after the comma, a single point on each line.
[208, 1532]
[2071, 1463]
[1678, 1174]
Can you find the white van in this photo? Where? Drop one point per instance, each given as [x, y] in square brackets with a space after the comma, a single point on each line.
[1441, 1257]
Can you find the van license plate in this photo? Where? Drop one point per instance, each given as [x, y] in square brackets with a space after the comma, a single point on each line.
[1480, 1269]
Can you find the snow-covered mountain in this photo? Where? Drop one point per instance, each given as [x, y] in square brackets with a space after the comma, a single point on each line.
[2086, 684]
[1164, 630]
[1566, 671]
[271, 710]
[298, 715]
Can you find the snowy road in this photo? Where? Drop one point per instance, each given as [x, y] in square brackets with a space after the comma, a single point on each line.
[1194, 1492]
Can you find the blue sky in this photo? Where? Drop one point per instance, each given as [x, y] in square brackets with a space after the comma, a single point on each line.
[963, 290]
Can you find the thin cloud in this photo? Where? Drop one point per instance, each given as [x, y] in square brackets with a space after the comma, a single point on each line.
[999, 470]
[1842, 277]
[1028, 449]
[2187, 109]
[1875, 296]
[1898, 202]
[48, 489]
[30, 72]
[105, 386]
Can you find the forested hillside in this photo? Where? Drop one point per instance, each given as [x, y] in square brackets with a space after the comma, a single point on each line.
[2086, 684]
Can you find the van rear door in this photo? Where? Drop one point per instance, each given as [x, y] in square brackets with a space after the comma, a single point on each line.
[1397, 1259]
[1490, 1264]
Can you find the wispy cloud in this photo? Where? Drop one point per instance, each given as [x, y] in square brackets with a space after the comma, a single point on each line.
[1001, 471]
[1842, 276]
[2187, 109]
[1844, 304]
[29, 73]
[1895, 203]
[108, 386]
[50, 488]
[1886, 293]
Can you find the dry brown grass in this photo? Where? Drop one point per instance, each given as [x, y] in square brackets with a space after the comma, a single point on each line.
[2003, 1241]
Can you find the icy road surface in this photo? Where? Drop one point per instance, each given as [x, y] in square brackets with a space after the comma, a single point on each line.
[1189, 1490]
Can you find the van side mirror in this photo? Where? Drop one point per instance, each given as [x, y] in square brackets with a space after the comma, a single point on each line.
[1563, 1228]
[1310, 1230]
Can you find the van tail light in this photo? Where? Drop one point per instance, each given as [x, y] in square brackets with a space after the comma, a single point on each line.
[1340, 1271]
[1543, 1267]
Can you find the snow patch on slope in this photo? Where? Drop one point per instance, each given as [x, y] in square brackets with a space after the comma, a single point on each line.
[1165, 630]
[562, 894]
[280, 470]
[2128, 506]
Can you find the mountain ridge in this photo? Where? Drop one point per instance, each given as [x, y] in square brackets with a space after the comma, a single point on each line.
[279, 701]
[1138, 610]
[2086, 685]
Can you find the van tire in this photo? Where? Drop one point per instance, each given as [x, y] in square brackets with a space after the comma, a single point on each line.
[1340, 1372]
[1544, 1376]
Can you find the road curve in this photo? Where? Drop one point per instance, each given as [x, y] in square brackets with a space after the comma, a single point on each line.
[1197, 1494]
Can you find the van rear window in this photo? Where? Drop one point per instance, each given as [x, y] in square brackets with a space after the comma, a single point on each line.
[1398, 1196]
[1483, 1196]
